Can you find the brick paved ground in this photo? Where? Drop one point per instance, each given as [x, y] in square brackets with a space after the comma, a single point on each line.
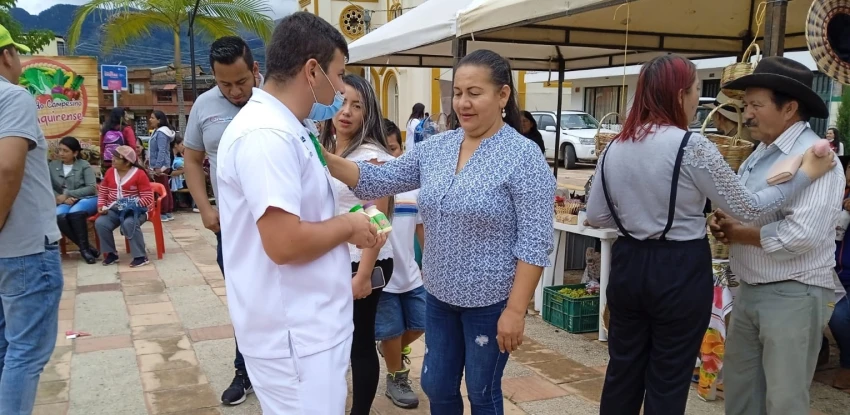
[162, 344]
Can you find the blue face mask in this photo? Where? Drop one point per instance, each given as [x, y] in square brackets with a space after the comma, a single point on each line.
[323, 112]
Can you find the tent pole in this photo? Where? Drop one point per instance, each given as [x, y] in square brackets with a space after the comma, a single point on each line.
[458, 52]
[774, 31]
[561, 69]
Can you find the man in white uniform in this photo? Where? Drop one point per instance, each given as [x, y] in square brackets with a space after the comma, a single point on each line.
[288, 268]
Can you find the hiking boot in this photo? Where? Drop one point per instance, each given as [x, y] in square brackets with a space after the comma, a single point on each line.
[238, 390]
[140, 261]
[110, 259]
[399, 390]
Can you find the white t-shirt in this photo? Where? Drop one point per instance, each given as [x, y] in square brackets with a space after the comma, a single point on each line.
[266, 159]
[411, 129]
[406, 274]
[66, 168]
[347, 200]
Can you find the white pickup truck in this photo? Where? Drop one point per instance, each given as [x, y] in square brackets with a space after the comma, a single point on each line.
[577, 132]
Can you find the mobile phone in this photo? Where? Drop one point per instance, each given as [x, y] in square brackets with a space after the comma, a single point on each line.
[378, 280]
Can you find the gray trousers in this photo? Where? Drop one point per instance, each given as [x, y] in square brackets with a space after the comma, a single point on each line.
[105, 226]
[772, 347]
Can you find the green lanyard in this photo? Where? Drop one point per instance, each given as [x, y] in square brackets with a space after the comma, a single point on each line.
[318, 149]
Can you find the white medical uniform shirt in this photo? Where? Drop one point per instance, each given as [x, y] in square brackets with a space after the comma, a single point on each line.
[267, 160]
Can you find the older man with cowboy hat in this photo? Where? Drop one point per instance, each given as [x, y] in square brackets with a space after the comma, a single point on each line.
[785, 259]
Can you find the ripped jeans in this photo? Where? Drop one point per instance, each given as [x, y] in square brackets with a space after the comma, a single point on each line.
[461, 338]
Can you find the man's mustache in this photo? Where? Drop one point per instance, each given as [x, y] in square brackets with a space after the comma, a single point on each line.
[750, 123]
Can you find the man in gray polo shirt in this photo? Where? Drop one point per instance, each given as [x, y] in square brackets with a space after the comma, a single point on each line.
[30, 268]
[236, 74]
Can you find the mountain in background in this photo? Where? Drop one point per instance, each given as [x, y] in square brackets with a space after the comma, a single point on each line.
[146, 52]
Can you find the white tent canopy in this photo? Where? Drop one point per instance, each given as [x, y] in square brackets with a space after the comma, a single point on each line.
[423, 37]
[420, 37]
[706, 28]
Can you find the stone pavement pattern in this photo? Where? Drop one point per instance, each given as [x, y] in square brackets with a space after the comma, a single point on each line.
[162, 344]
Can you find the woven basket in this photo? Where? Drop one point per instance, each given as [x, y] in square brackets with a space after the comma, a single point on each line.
[602, 139]
[719, 250]
[733, 149]
[738, 70]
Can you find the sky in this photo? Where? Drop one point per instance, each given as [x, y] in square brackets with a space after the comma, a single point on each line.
[280, 8]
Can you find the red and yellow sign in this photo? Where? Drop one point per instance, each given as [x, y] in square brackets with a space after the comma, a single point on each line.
[61, 88]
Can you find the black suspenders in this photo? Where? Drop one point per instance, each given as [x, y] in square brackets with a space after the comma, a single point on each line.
[671, 212]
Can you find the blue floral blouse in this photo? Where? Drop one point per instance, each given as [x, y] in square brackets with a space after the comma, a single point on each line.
[498, 209]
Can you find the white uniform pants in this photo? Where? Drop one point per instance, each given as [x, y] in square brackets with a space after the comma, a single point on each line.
[307, 385]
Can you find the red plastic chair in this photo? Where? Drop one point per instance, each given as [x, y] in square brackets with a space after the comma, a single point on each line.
[153, 217]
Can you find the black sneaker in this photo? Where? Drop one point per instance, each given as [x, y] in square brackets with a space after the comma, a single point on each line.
[238, 390]
[140, 261]
[110, 259]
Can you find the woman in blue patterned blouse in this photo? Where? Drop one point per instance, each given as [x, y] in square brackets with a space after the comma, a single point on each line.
[486, 202]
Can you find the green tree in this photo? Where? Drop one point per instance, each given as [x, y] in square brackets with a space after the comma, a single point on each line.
[35, 39]
[129, 20]
[843, 122]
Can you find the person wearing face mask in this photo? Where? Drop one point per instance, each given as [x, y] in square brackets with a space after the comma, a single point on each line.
[284, 247]
[236, 74]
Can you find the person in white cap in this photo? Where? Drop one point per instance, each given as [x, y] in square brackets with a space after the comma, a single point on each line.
[726, 118]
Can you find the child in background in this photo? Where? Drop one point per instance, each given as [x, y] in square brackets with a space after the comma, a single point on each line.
[177, 181]
[400, 318]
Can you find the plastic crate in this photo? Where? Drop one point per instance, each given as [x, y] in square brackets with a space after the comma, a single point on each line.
[575, 315]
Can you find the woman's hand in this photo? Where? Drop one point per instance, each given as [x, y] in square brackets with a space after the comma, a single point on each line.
[509, 330]
[104, 210]
[815, 167]
[847, 204]
[60, 199]
[361, 285]
[70, 201]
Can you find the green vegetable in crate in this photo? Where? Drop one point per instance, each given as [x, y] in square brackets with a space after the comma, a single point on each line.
[575, 292]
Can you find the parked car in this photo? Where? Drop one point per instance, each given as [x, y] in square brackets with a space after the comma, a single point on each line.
[578, 130]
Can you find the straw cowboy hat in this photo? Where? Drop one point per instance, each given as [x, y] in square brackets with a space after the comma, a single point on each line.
[828, 37]
[788, 77]
[726, 110]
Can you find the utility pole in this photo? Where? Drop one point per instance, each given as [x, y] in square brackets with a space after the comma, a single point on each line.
[774, 30]
[192, 51]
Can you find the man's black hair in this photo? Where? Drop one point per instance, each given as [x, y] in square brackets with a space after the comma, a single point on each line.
[299, 37]
[228, 49]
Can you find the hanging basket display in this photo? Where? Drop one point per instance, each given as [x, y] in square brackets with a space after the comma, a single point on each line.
[602, 139]
[733, 149]
[740, 69]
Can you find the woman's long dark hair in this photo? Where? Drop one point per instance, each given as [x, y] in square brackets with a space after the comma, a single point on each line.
[500, 75]
[533, 132]
[837, 134]
[371, 127]
[73, 144]
[113, 121]
[163, 120]
[418, 112]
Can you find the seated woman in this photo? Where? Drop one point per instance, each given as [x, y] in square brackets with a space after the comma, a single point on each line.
[75, 190]
[125, 205]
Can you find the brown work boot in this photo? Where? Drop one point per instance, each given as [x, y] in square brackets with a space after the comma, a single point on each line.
[841, 379]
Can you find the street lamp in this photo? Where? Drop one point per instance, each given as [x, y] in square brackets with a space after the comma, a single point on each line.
[192, 50]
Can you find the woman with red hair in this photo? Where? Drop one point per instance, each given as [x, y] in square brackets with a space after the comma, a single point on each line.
[660, 288]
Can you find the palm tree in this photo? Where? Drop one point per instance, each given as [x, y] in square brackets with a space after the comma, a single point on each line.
[129, 20]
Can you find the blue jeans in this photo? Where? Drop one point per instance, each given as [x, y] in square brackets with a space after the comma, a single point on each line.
[238, 361]
[30, 289]
[88, 205]
[839, 325]
[461, 337]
